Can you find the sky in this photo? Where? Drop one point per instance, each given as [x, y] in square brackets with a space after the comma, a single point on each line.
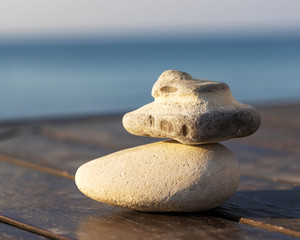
[32, 18]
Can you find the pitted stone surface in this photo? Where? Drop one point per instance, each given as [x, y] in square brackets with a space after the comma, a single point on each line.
[192, 111]
[162, 176]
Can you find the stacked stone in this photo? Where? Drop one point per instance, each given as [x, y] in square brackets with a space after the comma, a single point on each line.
[193, 173]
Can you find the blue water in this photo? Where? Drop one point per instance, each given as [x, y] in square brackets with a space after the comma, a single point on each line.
[61, 79]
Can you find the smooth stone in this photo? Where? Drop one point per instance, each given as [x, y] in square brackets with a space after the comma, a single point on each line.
[192, 111]
[162, 177]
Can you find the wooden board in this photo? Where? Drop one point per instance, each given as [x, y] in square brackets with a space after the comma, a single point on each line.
[8, 132]
[60, 155]
[279, 130]
[241, 202]
[266, 163]
[8, 232]
[38, 160]
[55, 205]
[271, 203]
[107, 133]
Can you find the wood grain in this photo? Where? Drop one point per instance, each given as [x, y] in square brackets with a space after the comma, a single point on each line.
[38, 160]
[279, 130]
[107, 133]
[60, 155]
[54, 204]
[267, 202]
[266, 163]
[8, 232]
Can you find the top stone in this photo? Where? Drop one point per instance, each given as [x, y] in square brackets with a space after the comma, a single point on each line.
[192, 111]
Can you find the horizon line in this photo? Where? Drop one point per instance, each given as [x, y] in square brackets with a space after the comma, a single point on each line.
[150, 37]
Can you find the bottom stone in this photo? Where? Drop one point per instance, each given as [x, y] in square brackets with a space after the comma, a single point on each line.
[162, 177]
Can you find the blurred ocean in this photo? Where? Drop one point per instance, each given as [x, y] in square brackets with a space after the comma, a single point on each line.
[61, 79]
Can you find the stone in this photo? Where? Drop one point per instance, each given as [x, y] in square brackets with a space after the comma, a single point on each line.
[192, 111]
[162, 177]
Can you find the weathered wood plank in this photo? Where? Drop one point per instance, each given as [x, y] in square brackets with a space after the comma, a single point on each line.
[8, 232]
[107, 133]
[32, 229]
[282, 113]
[8, 132]
[251, 193]
[276, 140]
[54, 204]
[266, 163]
[110, 134]
[67, 156]
[65, 153]
[63, 156]
[268, 202]
[279, 130]
[256, 159]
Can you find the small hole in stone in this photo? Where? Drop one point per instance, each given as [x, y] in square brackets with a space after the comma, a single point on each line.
[184, 130]
[168, 89]
[166, 126]
[151, 120]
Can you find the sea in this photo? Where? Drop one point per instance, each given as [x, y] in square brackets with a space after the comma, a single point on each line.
[40, 79]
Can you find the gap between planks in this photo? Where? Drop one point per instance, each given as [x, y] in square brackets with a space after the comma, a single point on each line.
[36, 167]
[269, 227]
[257, 224]
[31, 166]
[32, 229]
